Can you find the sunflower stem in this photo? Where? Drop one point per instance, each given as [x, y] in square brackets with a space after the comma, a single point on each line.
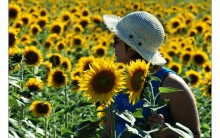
[66, 100]
[45, 127]
[112, 120]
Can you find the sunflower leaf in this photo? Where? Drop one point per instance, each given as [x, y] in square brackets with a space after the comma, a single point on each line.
[126, 115]
[168, 89]
[138, 113]
[13, 81]
[187, 134]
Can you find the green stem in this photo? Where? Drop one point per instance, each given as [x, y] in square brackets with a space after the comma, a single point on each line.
[54, 122]
[112, 120]
[66, 100]
[45, 127]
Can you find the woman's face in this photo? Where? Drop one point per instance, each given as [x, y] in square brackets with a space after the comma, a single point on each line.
[122, 54]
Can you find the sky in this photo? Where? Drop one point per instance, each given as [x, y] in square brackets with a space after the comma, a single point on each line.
[215, 68]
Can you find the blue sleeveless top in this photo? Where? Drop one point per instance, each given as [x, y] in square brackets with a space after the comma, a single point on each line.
[122, 103]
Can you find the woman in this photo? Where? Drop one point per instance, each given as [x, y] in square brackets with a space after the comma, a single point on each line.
[139, 35]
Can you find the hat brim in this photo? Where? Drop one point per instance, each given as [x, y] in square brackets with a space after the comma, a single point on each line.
[111, 21]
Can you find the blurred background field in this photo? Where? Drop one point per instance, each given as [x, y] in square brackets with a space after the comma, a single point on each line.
[51, 42]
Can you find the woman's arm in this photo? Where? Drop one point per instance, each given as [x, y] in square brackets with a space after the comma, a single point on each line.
[182, 106]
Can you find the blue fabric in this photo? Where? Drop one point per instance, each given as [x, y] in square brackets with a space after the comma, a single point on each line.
[122, 103]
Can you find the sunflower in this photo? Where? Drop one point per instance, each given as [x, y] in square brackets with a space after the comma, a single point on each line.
[25, 39]
[40, 108]
[34, 84]
[42, 21]
[26, 19]
[137, 73]
[85, 12]
[60, 45]
[15, 54]
[32, 56]
[99, 51]
[74, 84]
[207, 89]
[57, 78]
[17, 24]
[13, 11]
[35, 29]
[207, 67]
[192, 32]
[175, 67]
[66, 64]
[185, 57]
[194, 77]
[65, 17]
[199, 57]
[174, 24]
[57, 28]
[97, 19]
[77, 40]
[42, 13]
[12, 36]
[48, 44]
[84, 22]
[102, 81]
[84, 63]
[77, 28]
[55, 59]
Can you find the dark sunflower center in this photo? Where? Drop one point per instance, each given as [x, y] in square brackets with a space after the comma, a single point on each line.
[75, 83]
[59, 78]
[56, 29]
[60, 46]
[136, 80]
[41, 23]
[193, 79]
[43, 13]
[11, 39]
[86, 66]
[207, 69]
[77, 41]
[175, 24]
[175, 68]
[199, 59]
[34, 30]
[199, 29]
[13, 13]
[84, 23]
[66, 17]
[65, 65]
[98, 21]
[186, 57]
[210, 89]
[85, 13]
[103, 82]
[42, 108]
[33, 87]
[47, 44]
[100, 52]
[31, 58]
[55, 60]
[25, 20]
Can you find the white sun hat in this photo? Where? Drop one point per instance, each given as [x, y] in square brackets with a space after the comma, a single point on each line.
[141, 31]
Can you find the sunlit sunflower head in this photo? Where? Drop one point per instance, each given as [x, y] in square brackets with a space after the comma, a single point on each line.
[75, 73]
[65, 17]
[74, 84]
[84, 63]
[66, 64]
[43, 13]
[42, 21]
[102, 81]
[100, 111]
[207, 67]
[192, 32]
[85, 12]
[78, 40]
[15, 54]
[26, 18]
[175, 67]
[47, 44]
[194, 77]
[185, 57]
[12, 36]
[84, 21]
[34, 84]
[200, 57]
[57, 28]
[99, 51]
[60, 45]
[32, 56]
[78, 28]
[13, 11]
[57, 78]
[40, 108]
[35, 29]
[136, 75]
[207, 87]
[55, 59]
[97, 19]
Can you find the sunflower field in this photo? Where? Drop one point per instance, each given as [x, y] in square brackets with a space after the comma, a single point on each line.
[53, 42]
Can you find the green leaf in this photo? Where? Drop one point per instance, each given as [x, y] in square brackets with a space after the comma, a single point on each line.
[180, 132]
[168, 89]
[138, 113]
[13, 81]
[126, 115]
